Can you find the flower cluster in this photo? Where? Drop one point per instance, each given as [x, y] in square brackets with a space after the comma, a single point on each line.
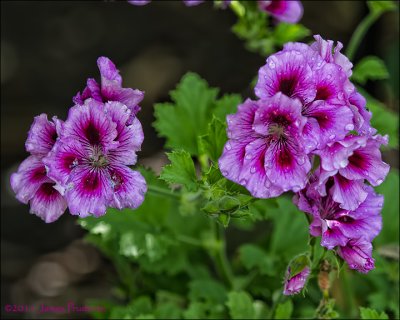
[309, 115]
[289, 11]
[82, 163]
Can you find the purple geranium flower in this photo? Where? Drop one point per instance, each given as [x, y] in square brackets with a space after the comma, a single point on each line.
[283, 10]
[89, 161]
[31, 183]
[358, 254]
[335, 225]
[265, 150]
[110, 88]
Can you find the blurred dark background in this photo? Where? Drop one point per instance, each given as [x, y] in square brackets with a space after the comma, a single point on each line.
[48, 49]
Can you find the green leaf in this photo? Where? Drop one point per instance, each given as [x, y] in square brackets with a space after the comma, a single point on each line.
[181, 170]
[286, 32]
[384, 120]
[380, 6]
[207, 290]
[369, 68]
[213, 142]
[298, 264]
[196, 310]
[253, 256]
[284, 310]
[227, 105]
[390, 212]
[182, 121]
[367, 313]
[240, 305]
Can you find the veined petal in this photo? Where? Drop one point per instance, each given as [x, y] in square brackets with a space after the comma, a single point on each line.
[358, 254]
[240, 124]
[129, 187]
[91, 126]
[47, 203]
[27, 180]
[41, 136]
[67, 154]
[89, 190]
[349, 193]
[283, 10]
[289, 73]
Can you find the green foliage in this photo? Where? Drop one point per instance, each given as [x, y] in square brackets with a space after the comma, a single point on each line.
[369, 68]
[252, 26]
[213, 142]
[253, 257]
[188, 117]
[180, 171]
[240, 305]
[284, 310]
[378, 7]
[367, 313]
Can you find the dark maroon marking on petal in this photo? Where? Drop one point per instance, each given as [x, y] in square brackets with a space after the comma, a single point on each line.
[54, 136]
[358, 160]
[277, 6]
[285, 158]
[345, 219]
[92, 134]
[323, 93]
[48, 190]
[322, 118]
[91, 182]
[288, 85]
[281, 120]
[68, 162]
[38, 174]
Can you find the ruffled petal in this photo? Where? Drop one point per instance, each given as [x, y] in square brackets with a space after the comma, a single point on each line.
[89, 190]
[41, 136]
[48, 203]
[348, 193]
[27, 180]
[91, 126]
[283, 10]
[358, 254]
[240, 124]
[129, 187]
[289, 73]
[67, 154]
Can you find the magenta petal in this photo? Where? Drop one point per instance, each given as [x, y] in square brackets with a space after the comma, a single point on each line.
[192, 3]
[330, 82]
[358, 254]
[333, 236]
[48, 203]
[349, 193]
[42, 136]
[362, 117]
[27, 180]
[283, 10]
[139, 2]
[90, 125]
[89, 191]
[366, 163]
[65, 156]
[286, 167]
[240, 124]
[108, 70]
[129, 187]
[232, 158]
[334, 122]
[253, 175]
[296, 283]
[289, 73]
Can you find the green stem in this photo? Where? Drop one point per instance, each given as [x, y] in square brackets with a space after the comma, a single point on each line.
[189, 240]
[162, 192]
[219, 255]
[360, 32]
[348, 294]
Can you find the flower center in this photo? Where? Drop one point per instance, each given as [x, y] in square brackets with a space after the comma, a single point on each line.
[97, 157]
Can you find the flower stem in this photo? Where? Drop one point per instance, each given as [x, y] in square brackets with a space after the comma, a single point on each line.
[155, 190]
[360, 32]
[219, 255]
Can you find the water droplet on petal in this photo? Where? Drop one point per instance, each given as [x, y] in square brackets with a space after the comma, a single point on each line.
[228, 146]
[271, 64]
[340, 95]
[331, 137]
[267, 183]
[243, 182]
[224, 173]
[349, 126]
[343, 163]
[248, 156]
[300, 161]
[379, 181]
[329, 76]
[252, 169]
